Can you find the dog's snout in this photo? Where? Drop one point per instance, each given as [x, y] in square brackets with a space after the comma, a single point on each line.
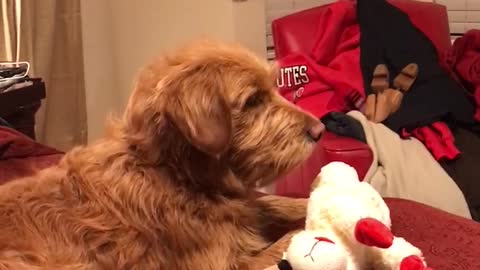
[315, 131]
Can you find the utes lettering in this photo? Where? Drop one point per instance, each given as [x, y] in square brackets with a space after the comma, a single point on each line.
[292, 76]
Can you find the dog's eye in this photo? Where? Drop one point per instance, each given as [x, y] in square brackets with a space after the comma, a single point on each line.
[253, 101]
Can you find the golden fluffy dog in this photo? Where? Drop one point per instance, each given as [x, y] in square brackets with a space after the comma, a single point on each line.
[169, 187]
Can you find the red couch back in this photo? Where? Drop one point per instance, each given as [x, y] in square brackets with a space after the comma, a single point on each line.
[430, 18]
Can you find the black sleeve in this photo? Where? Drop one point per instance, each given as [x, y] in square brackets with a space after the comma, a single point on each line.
[344, 125]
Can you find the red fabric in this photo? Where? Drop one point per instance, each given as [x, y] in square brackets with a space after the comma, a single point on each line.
[332, 65]
[469, 69]
[469, 41]
[373, 233]
[438, 138]
[23, 156]
[469, 65]
[464, 60]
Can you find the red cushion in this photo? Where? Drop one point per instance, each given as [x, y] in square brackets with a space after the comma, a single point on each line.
[23, 156]
[287, 36]
[448, 242]
[330, 148]
[357, 154]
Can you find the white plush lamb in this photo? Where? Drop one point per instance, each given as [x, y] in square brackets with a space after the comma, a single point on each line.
[348, 228]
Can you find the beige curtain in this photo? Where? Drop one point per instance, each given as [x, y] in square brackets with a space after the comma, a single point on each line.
[7, 30]
[51, 40]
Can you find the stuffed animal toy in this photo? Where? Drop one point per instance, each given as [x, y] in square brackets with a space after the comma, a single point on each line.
[348, 228]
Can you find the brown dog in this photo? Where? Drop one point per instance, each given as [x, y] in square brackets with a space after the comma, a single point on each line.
[169, 187]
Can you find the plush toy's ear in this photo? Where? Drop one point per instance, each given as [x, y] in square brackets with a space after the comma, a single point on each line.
[336, 173]
[197, 106]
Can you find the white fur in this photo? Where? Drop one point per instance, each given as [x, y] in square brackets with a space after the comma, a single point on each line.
[384, 259]
[335, 206]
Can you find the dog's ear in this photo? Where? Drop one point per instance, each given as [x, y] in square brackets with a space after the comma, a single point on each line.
[198, 108]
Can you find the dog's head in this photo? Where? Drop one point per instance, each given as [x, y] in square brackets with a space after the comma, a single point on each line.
[221, 100]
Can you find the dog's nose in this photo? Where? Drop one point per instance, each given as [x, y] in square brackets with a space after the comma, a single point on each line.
[315, 131]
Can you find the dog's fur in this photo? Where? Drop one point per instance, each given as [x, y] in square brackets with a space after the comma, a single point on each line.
[169, 187]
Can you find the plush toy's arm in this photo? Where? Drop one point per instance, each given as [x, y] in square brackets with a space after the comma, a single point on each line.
[372, 232]
[401, 255]
[340, 211]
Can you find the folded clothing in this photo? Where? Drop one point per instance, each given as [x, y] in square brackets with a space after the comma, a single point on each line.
[438, 138]
[11, 72]
[463, 63]
[469, 41]
[328, 77]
